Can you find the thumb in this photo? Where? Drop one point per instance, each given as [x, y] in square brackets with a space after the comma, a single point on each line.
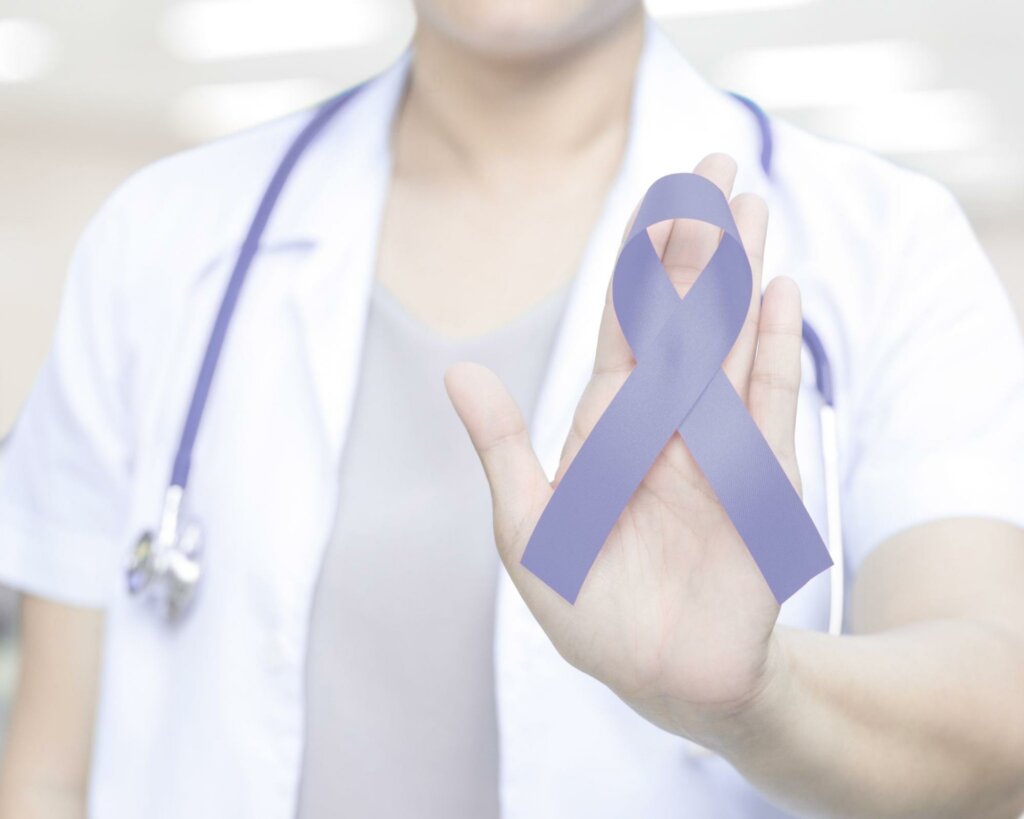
[519, 488]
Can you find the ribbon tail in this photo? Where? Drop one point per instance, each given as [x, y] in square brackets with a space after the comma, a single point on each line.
[754, 490]
[611, 464]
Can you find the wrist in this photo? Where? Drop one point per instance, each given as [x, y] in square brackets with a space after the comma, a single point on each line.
[735, 726]
[758, 721]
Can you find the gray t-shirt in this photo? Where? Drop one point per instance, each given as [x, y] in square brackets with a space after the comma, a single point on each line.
[400, 710]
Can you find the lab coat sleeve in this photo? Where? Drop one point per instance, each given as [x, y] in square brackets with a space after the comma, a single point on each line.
[64, 470]
[936, 422]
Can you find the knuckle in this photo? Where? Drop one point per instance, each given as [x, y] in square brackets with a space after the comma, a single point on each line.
[788, 331]
[776, 379]
[683, 275]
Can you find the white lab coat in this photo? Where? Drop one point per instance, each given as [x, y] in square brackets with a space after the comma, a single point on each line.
[206, 719]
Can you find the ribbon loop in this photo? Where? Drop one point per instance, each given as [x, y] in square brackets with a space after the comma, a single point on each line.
[678, 384]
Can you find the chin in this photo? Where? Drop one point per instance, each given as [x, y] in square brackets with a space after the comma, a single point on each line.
[524, 28]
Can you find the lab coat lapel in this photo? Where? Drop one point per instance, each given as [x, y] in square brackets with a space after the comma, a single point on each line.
[331, 293]
[330, 301]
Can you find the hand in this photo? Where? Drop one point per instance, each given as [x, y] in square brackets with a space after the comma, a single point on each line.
[674, 616]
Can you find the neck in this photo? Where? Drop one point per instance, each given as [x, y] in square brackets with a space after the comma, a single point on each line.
[494, 118]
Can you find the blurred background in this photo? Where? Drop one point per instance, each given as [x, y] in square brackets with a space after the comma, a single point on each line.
[91, 91]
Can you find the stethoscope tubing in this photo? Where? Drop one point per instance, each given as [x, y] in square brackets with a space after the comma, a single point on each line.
[827, 420]
[246, 255]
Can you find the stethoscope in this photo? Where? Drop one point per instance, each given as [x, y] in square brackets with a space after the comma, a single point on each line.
[165, 566]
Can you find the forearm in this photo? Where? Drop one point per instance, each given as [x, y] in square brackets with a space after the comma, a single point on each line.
[30, 799]
[925, 720]
[45, 768]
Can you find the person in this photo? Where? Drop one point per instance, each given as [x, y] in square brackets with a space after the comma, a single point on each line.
[355, 648]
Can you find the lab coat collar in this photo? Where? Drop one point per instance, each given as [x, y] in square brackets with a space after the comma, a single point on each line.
[677, 117]
[336, 197]
[331, 178]
[335, 201]
[339, 212]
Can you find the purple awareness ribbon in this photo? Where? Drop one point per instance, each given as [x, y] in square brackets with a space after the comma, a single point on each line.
[679, 345]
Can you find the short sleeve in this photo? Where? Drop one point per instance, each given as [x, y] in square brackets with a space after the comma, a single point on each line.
[936, 423]
[64, 469]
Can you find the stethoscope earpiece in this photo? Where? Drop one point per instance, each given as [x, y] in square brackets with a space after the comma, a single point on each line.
[166, 565]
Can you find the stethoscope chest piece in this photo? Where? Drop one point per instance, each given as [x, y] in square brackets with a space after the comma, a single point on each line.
[165, 567]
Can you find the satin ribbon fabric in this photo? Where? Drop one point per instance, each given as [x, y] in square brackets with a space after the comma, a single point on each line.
[678, 384]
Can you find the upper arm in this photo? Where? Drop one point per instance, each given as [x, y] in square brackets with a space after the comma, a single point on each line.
[65, 469]
[47, 747]
[962, 568]
[934, 486]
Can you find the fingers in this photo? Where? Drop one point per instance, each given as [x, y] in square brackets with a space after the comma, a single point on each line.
[751, 215]
[685, 245]
[519, 488]
[775, 377]
[614, 355]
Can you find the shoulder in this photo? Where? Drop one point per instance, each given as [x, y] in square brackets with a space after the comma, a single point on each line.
[181, 213]
[164, 237]
[155, 236]
[871, 197]
[188, 198]
[171, 222]
[885, 256]
[862, 233]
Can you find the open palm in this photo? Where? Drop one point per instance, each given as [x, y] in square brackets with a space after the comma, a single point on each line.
[674, 616]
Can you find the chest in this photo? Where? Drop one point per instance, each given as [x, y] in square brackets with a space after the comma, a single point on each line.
[467, 261]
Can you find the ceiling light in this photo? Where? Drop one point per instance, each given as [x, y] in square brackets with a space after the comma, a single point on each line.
[713, 8]
[211, 111]
[819, 75]
[27, 49]
[208, 30]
